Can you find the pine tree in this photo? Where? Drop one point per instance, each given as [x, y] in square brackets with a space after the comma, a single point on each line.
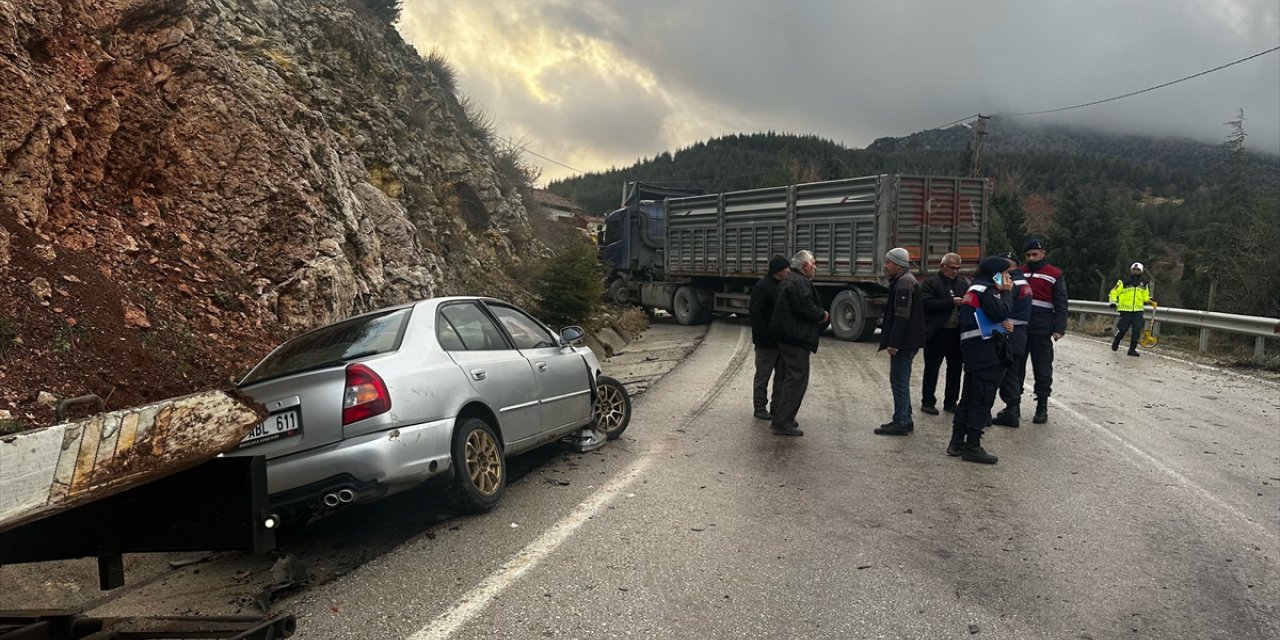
[1083, 240]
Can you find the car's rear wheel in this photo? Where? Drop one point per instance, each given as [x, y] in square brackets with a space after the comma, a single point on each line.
[479, 468]
[612, 411]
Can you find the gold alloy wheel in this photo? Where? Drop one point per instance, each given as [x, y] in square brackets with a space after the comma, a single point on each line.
[484, 462]
[611, 408]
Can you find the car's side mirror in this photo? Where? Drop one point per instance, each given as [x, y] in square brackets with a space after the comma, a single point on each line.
[571, 335]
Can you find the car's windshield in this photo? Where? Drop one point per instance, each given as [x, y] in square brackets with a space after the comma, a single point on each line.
[333, 345]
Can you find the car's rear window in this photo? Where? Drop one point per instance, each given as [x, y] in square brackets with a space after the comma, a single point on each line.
[333, 345]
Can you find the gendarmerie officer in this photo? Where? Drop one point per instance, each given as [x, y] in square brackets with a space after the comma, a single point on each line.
[1048, 321]
[1019, 315]
[985, 357]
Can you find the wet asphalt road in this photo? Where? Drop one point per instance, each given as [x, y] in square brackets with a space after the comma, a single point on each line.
[1147, 507]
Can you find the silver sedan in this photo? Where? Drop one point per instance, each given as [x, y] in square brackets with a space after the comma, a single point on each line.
[383, 401]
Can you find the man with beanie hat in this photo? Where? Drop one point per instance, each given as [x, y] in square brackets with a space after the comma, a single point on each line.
[902, 334]
[983, 313]
[1128, 297]
[764, 296]
[1020, 298]
[1048, 321]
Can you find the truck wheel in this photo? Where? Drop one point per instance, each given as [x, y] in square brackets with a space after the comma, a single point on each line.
[849, 318]
[618, 293]
[479, 468]
[687, 307]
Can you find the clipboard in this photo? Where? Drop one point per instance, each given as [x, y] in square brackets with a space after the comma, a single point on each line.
[986, 326]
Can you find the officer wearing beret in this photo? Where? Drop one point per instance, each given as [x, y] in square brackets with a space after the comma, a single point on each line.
[1048, 321]
[985, 357]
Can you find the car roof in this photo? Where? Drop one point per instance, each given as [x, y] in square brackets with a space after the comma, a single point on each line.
[425, 302]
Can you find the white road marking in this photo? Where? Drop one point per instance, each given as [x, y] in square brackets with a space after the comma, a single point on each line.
[475, 600]
[471, 604]
[1155, 462]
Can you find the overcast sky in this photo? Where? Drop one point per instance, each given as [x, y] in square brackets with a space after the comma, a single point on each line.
[600, 83]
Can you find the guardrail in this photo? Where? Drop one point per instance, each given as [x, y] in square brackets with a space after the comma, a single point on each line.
[1259, 327]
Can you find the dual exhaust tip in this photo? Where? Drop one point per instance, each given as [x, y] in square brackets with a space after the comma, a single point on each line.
[341, 496]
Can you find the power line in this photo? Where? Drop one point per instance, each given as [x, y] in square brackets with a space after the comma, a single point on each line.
[1134, 93]
[525, 149]
[1114, 98]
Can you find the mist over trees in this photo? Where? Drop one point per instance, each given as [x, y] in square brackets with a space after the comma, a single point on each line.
[1195, 214]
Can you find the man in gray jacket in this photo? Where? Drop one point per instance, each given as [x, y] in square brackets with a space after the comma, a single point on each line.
[902, 334]
[798, 318]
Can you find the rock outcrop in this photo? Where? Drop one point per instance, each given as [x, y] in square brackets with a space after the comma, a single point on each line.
[197, 179]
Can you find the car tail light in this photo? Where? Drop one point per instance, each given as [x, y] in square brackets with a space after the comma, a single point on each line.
[366, 395]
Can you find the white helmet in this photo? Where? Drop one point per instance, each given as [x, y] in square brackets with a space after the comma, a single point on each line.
[1136, 265]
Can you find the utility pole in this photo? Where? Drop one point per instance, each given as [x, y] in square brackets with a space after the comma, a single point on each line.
[979, 131]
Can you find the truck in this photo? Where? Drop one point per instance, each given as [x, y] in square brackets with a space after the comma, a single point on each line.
[695, 254]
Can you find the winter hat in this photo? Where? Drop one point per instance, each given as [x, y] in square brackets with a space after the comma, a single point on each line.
[778, 263]
[1034, 243]
[992, 265]
[1136, 265]
[898, 256]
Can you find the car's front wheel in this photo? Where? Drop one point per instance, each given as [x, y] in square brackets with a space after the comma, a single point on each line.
[479, 469]
[612, 411]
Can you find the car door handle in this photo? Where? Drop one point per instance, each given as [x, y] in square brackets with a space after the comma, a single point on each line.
[542, 367]
[478, 374]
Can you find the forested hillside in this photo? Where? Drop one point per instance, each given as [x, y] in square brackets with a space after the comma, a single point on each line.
[1193, 212]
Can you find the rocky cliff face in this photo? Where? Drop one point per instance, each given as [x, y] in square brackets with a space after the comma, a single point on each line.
[185, 182]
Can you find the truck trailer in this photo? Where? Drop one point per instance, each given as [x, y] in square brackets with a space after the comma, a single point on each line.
[694, 256]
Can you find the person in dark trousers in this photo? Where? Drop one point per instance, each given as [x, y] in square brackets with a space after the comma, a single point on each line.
[1020, 298]
[1130, 295]
[940, 295]
[902, 335]
[1048, 321]
[764, 297]
[985, 358]
[798, 318]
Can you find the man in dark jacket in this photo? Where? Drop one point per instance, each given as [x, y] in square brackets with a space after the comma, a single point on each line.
[764, 297]
[940, 296]
[1020, 298]
[902, 334]
[1048, 321]
[798, 318]
[983, 362]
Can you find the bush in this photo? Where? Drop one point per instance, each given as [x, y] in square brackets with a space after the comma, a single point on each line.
[569, 287]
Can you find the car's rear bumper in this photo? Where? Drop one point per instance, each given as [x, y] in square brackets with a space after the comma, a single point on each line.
[370, 464]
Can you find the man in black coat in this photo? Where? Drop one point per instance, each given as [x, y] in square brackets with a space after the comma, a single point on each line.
[764, 297]
[940, 296]
[901, 334]
[798, 318]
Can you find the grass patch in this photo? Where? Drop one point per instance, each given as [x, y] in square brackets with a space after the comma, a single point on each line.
[11, 426]
[8, 338]
[65, 338]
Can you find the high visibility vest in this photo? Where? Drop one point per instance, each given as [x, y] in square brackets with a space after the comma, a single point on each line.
[1131, 297]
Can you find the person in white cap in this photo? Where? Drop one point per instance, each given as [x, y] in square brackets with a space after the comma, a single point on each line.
[1129, 296]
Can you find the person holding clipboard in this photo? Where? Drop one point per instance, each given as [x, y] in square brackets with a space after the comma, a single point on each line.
[984, 325]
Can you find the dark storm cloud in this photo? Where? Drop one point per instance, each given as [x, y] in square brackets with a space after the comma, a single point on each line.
[856, 71]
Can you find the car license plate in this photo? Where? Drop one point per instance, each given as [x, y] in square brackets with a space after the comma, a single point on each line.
[285, 424]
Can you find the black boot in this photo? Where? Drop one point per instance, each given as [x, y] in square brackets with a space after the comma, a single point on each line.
[1115, 344]
[1133, 352]
[973, 452]
[1042, 411]
[1008, 417]
[957, 441]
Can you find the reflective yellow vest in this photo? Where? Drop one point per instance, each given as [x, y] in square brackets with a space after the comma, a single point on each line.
[1129, 298]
